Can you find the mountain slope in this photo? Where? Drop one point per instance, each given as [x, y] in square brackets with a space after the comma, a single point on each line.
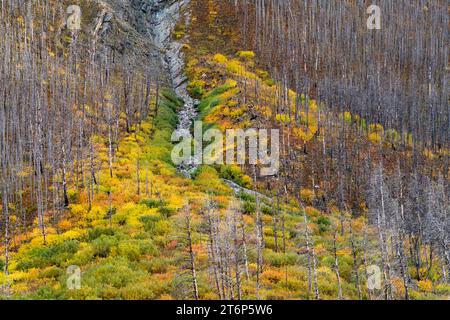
[142, 230]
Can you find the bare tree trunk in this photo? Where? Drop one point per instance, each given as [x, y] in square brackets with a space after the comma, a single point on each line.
[336, 267]
[138, 176]
[316, 284]
[366, 265]
[7, 236]
[312, 254]
[191, 252]
[244, 247]
[236, 256]
[212, 251]
[355, 262]
[259, 240]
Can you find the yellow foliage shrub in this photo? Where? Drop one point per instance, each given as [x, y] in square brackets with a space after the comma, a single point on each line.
[78, 210]
[376, 128]
[220, 58]
[96, 213]
[344, 252]
[234, 66]
[425, 285]
[73, 234]
[247, 55]
[283, 118]
[307, 195]
[374, 138]
[347, 117]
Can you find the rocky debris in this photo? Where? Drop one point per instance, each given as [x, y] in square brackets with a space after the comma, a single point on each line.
[238, 189]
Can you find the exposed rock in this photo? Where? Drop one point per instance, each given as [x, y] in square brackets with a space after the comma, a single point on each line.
[126, 26]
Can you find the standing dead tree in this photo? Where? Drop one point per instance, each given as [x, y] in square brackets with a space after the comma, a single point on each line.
[188, 227]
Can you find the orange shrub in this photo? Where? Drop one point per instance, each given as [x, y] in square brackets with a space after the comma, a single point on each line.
[272, 276]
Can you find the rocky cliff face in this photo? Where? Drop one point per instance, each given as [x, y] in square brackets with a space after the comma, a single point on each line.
[139, 30]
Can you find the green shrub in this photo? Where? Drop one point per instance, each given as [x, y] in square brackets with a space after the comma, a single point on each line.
[102, 246]
[163, 227]
[267, 210]
[157, 265]
[273, 258]
[115, 273]
[291, 258]
[130, 250]
[153, 203]
[166, 212]
[98, 231]
[121, 218]
[138, 291]
[148, 247]
[170, 96]
[248, 207]
[166, 118]
[234, 173]
[279, 259]
[443, 289]
[149, 222]
[323, 223]
[246, 196]
[47, 292]
[196, 91]
[51, 272]
[83, 256]
[40, 257]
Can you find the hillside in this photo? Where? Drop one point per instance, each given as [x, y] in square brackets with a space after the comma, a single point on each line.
[95, 207]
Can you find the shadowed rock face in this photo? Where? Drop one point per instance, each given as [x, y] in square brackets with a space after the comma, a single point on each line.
[138, 30]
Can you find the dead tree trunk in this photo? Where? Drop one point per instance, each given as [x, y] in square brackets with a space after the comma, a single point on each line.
[191, 252]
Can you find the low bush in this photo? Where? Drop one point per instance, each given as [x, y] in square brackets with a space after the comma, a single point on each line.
[278, 259]
[113, 274]
[157, 265]
[149, 222]
[98, 231]
[248, 207]
[153, 203]
[148, 247]
[130, 250]
[51, 272]
[246, 197]
[323, 223]
[40, 257]
[102, 245]
[166, 212]
[235, 174]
